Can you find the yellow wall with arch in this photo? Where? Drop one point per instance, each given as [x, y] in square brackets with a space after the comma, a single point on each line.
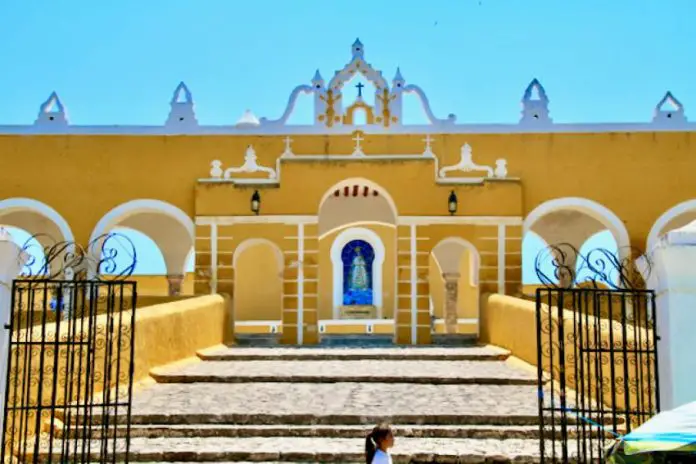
[258, 283]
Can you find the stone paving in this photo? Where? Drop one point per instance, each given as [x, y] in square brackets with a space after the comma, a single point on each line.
[322, 403]
[470, 372]
[446, 404]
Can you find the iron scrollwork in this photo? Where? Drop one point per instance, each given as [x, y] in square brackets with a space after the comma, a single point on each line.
[598, 267]
[100, 260]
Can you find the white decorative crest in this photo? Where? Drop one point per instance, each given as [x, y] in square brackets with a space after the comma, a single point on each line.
[535, 104]
[669, 110]
[466, 164]
[52, 112]
[216, 171]
[181, 113]
[250, 166]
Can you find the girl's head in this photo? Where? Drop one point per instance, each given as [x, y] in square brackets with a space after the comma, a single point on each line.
[381, 438]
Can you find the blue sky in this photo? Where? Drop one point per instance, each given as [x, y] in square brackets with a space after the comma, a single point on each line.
[118, 62]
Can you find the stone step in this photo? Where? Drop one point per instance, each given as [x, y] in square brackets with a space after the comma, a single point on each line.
[257, 340]
[338, 403]
[363, 371]
[303, 449]
[355, 340]
[471, 353]
[327, 431]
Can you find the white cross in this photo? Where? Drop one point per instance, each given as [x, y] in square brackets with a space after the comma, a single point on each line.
[288, 150]
[357, 139]
[428, 147]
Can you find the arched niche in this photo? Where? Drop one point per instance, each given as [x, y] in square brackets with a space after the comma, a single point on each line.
[677, 216]
[258, 284]
[341, 251]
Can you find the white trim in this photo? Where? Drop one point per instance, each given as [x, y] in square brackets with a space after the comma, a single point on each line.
[280, 129]
[501, 259]
[341, 240]
[231, 220]
[414, 287]
[593, 209]
[357, 224]
[472, 220]
[250, 242]
[125, 210]
[213, 258]
[300, 284]
[401, 220]
[9, 205]
[255, 323]
[664, 219]
[356, 321]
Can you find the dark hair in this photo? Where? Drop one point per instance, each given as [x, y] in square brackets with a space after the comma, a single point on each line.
[374, 439]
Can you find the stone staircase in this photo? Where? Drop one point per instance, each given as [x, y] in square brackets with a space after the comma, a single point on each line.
[447, 404]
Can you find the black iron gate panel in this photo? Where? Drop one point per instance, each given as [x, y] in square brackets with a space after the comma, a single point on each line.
[596, 355]
[69, 364]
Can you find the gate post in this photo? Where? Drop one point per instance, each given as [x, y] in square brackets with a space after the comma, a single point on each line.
[12, 259]
[674, 281]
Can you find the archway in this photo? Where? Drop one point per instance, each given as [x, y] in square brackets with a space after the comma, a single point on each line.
[357, 240]
[674, 218]
[168, 226]
[454, 269]
[40, 221]
[258, 289]
[573, 221]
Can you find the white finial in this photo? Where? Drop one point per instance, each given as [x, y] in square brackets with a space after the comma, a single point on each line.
[248, 119]
[669, 110]
[216, 171]
[535, 104]
[317, 79]
[358, 49]
[398, 80]
[52, 112]
[181, 112]
[288, 149]
[357, 151]
[428, 152]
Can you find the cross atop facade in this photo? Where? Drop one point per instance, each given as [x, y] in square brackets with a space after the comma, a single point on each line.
[428, 146]
[360, 87]
[288, 149]
[357, 151]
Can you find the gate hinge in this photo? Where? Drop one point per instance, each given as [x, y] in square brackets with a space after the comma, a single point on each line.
[7, 326]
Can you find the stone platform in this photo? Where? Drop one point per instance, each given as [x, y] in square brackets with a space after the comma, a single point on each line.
[316, 405]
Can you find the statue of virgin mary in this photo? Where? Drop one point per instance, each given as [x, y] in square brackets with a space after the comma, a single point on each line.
[359, 278]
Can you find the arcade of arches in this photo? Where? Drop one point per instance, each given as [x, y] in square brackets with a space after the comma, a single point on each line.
[337, 227]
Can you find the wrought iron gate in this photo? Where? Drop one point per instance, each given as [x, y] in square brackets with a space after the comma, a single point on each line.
[70, 358]
[596, 352]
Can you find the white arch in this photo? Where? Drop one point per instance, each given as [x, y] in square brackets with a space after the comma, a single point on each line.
[474, 263]
[27, 204]
[593, 209]
[251, 242]
[666, 218]
[345, 237]
[361, 181]
[130, 208]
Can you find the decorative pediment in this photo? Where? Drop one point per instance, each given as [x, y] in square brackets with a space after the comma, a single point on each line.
[250, 166]
[181, 114]
[331, 111]
[466, 166]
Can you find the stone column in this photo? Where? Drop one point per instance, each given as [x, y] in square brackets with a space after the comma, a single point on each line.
[12, 258]
[451, 297]
[673, 277]
[174, 282]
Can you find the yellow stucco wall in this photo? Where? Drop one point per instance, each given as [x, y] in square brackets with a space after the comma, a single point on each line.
[615, 162]
[157, 284]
